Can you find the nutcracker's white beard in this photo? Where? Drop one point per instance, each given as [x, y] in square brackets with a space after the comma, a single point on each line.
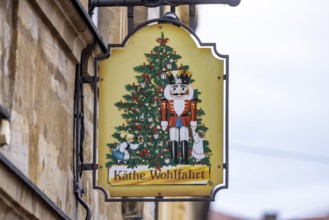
[179, 106]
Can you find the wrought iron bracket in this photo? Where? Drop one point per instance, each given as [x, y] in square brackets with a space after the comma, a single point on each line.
[90, 79]
[89, 166]
[79, 130]
[156, 3]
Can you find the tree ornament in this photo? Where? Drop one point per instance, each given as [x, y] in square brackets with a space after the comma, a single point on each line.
[144, 152]
[156, 135]
[138, 126]
[141, 117]
[143, 84]
[140, 139]
[149, 118]
[163, 75]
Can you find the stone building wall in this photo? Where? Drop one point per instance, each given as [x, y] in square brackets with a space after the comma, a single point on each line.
[40, 44]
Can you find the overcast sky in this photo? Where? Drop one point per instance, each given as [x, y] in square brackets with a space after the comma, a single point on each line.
[279, 105]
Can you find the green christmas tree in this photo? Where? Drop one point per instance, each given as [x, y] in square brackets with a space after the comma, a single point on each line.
[141, 113]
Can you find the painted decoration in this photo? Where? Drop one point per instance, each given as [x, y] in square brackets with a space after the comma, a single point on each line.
[161, 116]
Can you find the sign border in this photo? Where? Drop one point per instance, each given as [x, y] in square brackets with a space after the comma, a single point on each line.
[94, 165]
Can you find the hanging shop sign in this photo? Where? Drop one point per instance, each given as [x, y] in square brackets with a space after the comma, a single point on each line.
[161, 118]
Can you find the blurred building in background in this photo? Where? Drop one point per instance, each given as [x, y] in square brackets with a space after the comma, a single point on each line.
[213, 215]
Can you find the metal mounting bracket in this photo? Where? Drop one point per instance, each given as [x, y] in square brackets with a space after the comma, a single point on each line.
[157, 3]
[90, 79]
[89, 166]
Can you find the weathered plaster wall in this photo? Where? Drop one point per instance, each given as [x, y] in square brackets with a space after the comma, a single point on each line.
[38, 57]
[38, 87]
[14, 189]
[7, 51]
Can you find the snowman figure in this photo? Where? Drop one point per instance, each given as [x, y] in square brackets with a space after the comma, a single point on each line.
[121, 153]
[197, 150]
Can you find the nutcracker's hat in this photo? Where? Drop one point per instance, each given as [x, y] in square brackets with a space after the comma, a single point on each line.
[179, 77]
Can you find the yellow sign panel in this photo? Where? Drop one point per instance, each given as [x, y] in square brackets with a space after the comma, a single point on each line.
[161, 116]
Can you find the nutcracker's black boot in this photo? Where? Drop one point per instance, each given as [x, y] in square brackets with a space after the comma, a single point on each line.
[184, 145]
[173, 149]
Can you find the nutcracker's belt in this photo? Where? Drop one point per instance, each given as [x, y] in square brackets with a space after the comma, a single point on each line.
[178, 115]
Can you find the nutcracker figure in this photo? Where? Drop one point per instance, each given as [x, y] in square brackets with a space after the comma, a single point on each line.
[178, 112]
